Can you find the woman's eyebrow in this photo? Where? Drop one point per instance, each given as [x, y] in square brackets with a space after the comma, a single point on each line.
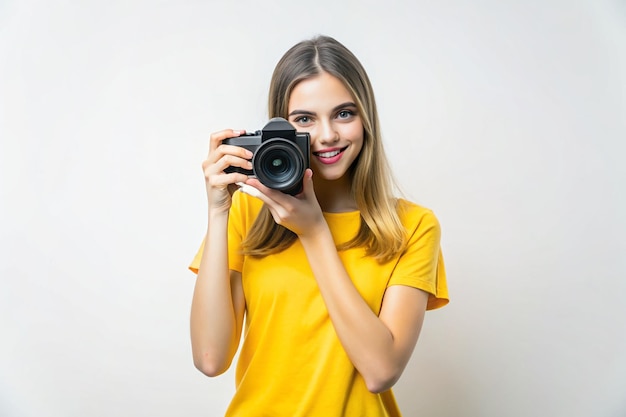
[310, 113]
[302, 112]
[344, 105]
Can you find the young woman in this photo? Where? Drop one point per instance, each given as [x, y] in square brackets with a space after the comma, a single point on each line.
[333, 282]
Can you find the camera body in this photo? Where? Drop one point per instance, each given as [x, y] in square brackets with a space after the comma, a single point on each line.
[280, 155]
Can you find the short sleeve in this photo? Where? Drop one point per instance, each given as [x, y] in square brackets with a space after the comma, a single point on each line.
[236, 222]
[421, 265]
[195, 263]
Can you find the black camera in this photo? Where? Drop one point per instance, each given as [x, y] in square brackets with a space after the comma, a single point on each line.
[281, 155]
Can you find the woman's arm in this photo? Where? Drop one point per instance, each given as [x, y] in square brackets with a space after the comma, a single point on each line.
[378, 346]
[218, 303]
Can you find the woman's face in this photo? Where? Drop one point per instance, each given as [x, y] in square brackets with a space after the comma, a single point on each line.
[324, 108]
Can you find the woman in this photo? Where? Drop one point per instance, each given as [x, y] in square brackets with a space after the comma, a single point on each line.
[333, 282]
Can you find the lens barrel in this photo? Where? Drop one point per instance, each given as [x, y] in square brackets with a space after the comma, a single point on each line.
[279, 164]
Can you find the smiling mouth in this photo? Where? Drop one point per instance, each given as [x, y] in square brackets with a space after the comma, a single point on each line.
[329, 154]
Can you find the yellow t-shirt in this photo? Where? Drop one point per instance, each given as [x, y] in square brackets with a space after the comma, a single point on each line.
[291, 363]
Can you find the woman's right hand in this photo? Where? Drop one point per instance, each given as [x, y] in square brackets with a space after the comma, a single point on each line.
[220, 185]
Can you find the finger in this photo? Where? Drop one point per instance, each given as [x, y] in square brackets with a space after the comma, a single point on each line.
[216, 138]
[253, 191]
[219, 167]
[230, 155]
[282, 206]
[230, 161]
[218, 161]
[308, 191]
[250, 190]
[223, 181]
[274, 195]
[234, 150]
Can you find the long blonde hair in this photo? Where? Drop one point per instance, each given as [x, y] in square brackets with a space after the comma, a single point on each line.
[381, 231]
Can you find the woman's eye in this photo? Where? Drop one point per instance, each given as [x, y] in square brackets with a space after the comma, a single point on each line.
[344, 114]
[302, 120]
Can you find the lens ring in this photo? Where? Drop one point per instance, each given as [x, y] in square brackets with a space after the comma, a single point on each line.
[279, 164]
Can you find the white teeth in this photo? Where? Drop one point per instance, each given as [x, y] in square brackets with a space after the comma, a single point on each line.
[328, 154]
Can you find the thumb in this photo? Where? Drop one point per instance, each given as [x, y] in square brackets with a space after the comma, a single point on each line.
[307, 184]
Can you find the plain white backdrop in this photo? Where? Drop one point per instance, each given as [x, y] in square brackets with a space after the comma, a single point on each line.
[508, 118]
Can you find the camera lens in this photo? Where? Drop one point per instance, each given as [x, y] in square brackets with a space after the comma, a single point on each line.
[279, 164]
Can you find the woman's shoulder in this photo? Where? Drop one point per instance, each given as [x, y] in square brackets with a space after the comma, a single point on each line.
[413, 214]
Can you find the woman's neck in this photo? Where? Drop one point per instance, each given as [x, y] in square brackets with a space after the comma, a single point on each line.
[335, 196]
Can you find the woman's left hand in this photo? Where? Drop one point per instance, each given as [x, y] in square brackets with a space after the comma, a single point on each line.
[301, 213]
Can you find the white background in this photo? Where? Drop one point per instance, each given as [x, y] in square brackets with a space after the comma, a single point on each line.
[508, 118]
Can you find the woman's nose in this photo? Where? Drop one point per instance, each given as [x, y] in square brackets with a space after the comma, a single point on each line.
[328, 134]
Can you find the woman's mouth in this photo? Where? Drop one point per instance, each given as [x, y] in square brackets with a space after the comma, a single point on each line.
[330, 156]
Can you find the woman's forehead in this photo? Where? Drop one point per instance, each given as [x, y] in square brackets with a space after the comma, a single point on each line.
[321, 92]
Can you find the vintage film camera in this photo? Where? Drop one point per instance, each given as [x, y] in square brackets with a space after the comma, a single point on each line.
[281, 155]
